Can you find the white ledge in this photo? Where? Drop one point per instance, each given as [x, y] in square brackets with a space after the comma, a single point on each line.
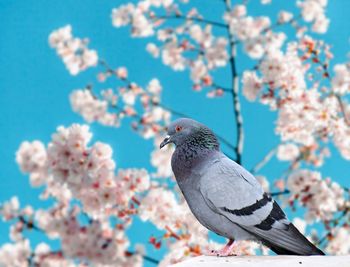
[266, 261]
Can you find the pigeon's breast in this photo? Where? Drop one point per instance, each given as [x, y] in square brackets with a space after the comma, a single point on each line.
[181, 163]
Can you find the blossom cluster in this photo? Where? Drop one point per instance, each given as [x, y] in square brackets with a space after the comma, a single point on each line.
[92, 109]
[95, 241]
[307, 115]
[71, 168]
[161, 159]
[255, 32]
[321, 197]
[314, 11]
[339, 244]
[73, 51]
[190, 45]
[186, 46]
[113, 105]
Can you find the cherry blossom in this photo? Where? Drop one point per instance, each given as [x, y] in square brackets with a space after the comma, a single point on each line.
[341, 79]
[129, 13]
[16, 254]
[73, 51]
[239, 24]
[10, 208]
[252, 85]
[161, 159]
[321, 197]
[159, 214]
[284, 16]
[32, 158]
[97, 242]
[86, 173]
[314, 11]
[92, 109]
[341, 138]
[287, 152]
[339, 244]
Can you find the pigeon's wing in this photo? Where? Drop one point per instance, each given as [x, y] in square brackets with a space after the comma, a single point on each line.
[230, 190]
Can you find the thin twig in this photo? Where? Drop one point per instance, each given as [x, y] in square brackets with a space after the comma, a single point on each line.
[235, 96]
[284, 192]
[223, 88]
[264, 161]
[200, 20]
[145, 257]
[29, 224]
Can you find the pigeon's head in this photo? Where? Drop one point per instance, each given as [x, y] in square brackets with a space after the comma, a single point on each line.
[191, 132]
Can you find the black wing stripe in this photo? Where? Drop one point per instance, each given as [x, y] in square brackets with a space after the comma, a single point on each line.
[250, 209]
[276, 214]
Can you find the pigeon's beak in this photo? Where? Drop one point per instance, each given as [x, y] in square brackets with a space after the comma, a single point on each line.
[166, 141]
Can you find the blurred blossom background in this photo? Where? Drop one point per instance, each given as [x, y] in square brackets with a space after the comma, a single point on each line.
[107, 183]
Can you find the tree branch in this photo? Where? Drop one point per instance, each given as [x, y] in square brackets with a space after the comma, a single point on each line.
[223, 88]
[284, 192]
[264, 161]
[200, 20]
[145, 257]
[235, 97]
[174, 112]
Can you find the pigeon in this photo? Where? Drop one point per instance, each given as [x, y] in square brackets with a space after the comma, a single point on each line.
[226, 198]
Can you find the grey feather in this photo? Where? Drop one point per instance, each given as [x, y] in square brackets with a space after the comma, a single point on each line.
[225, 197]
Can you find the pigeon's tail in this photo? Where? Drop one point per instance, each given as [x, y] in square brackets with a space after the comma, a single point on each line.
[306, 248]
[288, 241]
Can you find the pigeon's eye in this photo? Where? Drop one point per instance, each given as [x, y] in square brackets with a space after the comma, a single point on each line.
[178, 128]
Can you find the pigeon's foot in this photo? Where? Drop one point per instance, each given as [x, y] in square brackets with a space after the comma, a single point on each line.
[224, 252]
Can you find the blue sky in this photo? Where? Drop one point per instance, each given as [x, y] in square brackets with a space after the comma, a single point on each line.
[34, 88]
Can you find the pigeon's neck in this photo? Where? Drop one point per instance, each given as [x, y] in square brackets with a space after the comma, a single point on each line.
[187, 158]
[203, 139]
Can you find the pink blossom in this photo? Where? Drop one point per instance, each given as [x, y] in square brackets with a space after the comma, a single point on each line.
[10, 209]
[161, 159]
[284, 16]
[15, 254]
[122, 73]
[341, 79]
[314, 11]
[339, 244]
[121, 16]
[32, 158]
[73, 51]
[287, 152]
[153, 50]
[321, 197]
[252, 85]
[172, 55]
[92, 109]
